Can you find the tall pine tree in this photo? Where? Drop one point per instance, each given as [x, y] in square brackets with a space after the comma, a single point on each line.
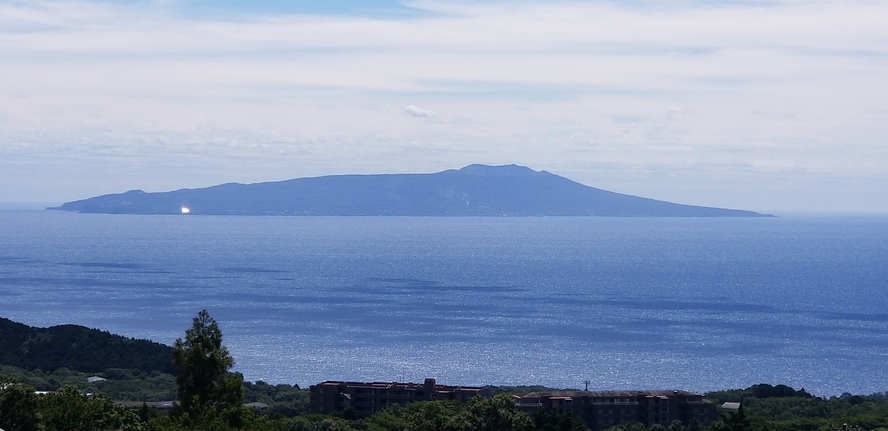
[203, 365]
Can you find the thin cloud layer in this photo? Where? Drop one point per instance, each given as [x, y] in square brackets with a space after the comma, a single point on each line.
[762, 105]
[415, 111]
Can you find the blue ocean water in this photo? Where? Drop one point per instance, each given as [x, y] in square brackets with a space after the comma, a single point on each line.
[626, 303]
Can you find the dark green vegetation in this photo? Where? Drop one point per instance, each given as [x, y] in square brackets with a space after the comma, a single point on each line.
[202, 365]
[497, 413]
[216, 395]
[122, 384]
[475, 190]
[78, 348]
[68, 409]
[283, 400]
[781, 408]
[133, 385]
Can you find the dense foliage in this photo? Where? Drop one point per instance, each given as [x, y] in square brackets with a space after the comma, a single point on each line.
[283, 400]
[67, 409]
[78, 348]
[780, 408]
[121, 384]
[493, 414]
[132, 385]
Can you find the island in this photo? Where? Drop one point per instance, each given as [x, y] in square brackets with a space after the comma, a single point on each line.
[475, 190]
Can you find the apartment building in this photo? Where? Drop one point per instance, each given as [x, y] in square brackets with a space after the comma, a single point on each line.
[600, 410]
[369, 398]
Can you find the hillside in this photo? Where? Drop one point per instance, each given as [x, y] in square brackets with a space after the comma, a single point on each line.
[474, 190]
[78, 348]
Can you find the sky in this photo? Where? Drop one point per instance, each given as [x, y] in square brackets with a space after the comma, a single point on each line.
[776, 106]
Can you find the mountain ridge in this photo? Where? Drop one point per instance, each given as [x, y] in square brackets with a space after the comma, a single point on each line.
[474, 190]
[80, 348]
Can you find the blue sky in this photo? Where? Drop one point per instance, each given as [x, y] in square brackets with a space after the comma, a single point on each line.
[764, 105]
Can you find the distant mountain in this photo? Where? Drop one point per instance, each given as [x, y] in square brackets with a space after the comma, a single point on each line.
[78, 348]
[475, 190]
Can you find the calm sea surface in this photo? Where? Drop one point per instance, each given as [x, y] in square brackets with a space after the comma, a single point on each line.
[695, 304]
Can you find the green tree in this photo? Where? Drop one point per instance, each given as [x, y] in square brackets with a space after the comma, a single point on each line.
[544, 420]
[431, 416]
[203, 365]
[68, 409]
[676, 425]
[733, 421]
[393, 418]
[495, 414]
[628, 427]
[322, 424]
[18, 405]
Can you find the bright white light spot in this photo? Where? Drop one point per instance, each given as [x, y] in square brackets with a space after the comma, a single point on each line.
[186, 210]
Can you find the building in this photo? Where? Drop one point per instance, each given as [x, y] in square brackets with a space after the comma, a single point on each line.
[369, 398]
[600, 410]
[731, 406]
[164, 407]
[257, 406]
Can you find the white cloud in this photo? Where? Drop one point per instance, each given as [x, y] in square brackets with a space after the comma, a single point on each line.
[414, 111]
[760, 90]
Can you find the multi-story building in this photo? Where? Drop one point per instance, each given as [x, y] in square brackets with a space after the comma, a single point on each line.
[369, 398]
[600, 410]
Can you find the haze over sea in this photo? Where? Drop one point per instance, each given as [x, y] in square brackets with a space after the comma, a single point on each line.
[627, 303]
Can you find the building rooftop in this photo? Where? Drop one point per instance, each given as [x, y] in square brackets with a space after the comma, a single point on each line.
[610, 394]
[400, 386]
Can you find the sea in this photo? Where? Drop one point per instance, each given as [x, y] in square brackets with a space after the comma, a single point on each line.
[699, 304]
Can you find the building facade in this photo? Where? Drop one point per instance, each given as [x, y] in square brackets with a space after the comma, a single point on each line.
[369, 398]
[600, 410]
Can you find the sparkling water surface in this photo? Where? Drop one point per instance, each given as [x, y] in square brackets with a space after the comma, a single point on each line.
[627, 303]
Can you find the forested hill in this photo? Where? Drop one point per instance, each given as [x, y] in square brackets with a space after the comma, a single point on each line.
[78, 348]
[474, 190]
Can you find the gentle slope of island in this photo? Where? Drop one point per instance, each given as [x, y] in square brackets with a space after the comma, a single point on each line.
[475, 190]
